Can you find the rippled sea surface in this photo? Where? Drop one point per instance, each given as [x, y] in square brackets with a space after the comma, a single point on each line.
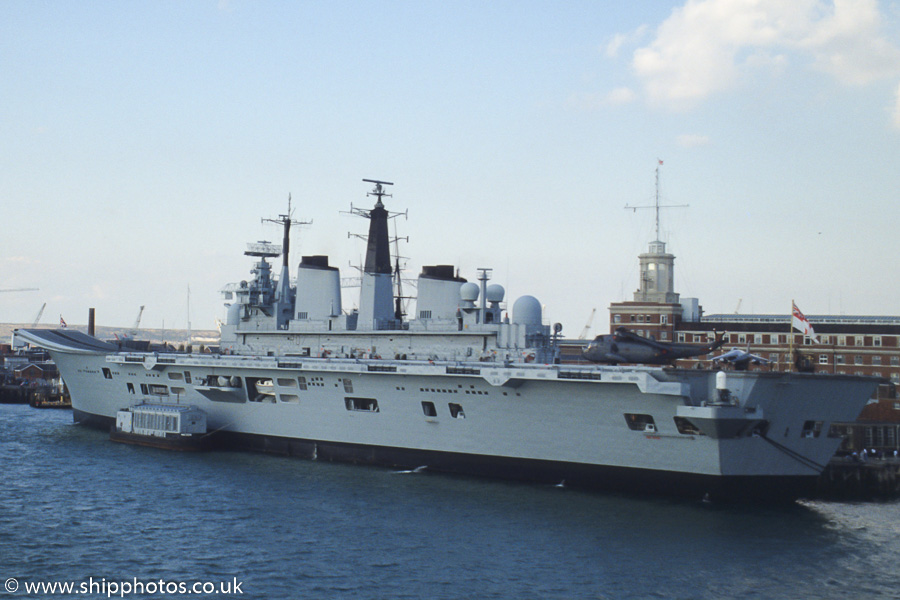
[76, 507]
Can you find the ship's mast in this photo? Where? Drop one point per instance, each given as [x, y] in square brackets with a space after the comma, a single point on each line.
[287, 222]
[283, 295]
[376, 310]
[398, 302]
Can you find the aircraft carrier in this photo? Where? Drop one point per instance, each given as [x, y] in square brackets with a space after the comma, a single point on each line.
[462, 387]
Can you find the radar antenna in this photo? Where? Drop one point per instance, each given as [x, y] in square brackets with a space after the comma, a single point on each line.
[378, 191]
[657, 205]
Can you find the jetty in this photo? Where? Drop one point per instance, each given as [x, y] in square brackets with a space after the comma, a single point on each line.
[860, 477]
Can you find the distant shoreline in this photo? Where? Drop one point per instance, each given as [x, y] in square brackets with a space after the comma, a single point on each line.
[174, 336]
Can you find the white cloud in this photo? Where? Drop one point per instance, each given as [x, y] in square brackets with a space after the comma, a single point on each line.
[620, 39]
[622, 95]
[705, 46]
[849, 45]
[693, 140]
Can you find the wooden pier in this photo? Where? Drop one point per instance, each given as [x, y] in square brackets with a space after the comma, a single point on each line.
[860, 478]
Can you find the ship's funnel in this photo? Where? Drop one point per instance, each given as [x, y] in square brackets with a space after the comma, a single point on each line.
[318, 289]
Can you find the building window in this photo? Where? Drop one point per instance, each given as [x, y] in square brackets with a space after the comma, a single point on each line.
[839, 359]
[857, 359]
[757, 338]
[876, 360]
[681, 337]
[876, 341]
[842, 340]
[664, 335]
[632, 318]
[895, 361]
[617, 318]
[742, 339]
[664, 319]
[640, 318]
[773, 357]
[823, 359]
[858, 341]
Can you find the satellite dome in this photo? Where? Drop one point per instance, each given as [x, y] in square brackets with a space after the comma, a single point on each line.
[468, 292]
[494, 293]
[527, 311]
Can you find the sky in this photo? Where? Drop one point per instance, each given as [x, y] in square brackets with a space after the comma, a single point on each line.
[143, 142]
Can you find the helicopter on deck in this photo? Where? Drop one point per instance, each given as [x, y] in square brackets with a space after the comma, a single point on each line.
[624, 346]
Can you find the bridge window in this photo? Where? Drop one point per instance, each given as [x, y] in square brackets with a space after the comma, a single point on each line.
[429, 409]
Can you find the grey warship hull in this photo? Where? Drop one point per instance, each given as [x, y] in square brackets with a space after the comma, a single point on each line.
[462, 388]
[642, 429]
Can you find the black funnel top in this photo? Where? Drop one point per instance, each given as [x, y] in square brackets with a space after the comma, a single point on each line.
[378, 253]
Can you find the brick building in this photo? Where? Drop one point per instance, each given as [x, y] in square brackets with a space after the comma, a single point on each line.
[850, 345]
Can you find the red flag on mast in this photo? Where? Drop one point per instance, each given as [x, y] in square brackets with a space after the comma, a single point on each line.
[801, 323]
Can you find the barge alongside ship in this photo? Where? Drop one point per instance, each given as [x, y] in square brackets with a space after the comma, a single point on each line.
[463, 389]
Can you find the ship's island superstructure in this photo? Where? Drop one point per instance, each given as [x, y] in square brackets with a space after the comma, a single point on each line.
[462, 388]
[456, 320]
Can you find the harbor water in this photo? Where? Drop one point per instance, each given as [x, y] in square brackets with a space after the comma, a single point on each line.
[76, 508]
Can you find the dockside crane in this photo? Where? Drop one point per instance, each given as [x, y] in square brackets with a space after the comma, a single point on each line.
[587, 326]
[39, 315]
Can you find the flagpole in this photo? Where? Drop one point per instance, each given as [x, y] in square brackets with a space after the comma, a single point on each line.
[791, 338]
